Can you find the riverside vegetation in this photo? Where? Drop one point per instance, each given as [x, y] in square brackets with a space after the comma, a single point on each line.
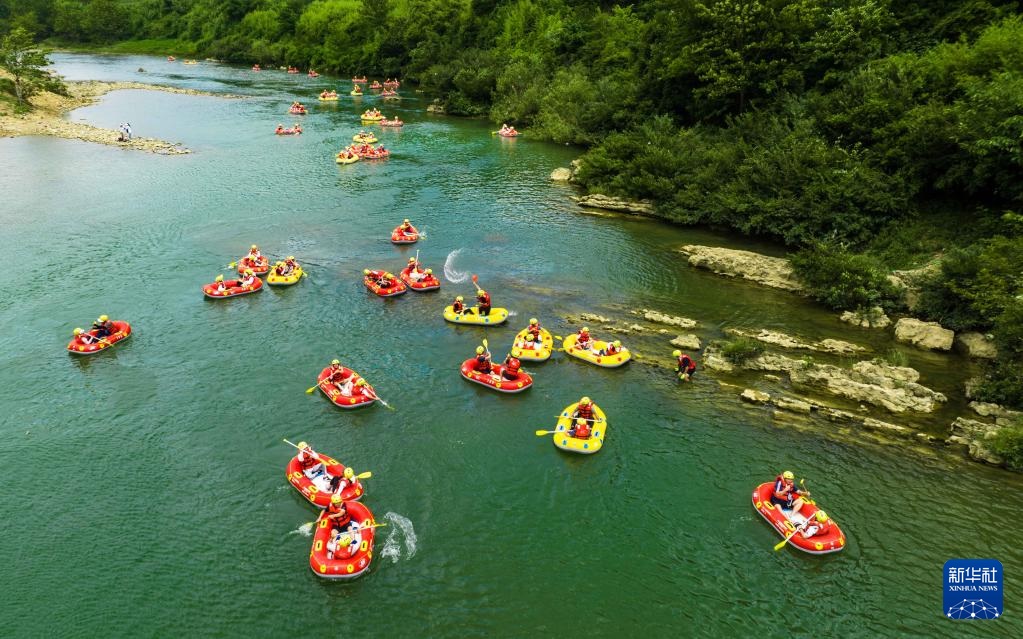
[867, 135]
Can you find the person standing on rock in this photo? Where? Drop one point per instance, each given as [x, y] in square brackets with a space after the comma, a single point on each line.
[685, 367]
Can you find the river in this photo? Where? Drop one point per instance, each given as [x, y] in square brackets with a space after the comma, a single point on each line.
[145, 486]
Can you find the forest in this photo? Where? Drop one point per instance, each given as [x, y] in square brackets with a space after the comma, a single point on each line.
[866, 135]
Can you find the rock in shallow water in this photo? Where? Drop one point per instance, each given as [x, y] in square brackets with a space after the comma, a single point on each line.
[775, 272]
[928, 335]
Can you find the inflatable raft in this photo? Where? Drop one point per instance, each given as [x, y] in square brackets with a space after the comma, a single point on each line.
[784, 522]
[591, 356]
[541, 354]
[369, 117]
[259, 267]
[233, 289]
[317, 489]
[328, 98]
[397, 237]
[395, 122]
[428, 283]
[292, 131]
[297, 111]
[77, 347]
[361, 80]
[370, 281]
[340, 159]
[471, 316]
[509, 134]
[368, 138]
[497, 381]
[322, 561]
[588, 445]
[355, 400]
[273, 279]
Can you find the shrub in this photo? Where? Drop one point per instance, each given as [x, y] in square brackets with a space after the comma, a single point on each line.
[843, 280]
[1008, 443]
[741, 349]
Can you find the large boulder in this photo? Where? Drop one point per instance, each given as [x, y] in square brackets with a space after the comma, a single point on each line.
[754, 396]
[975, 436]
[775, 272]
[670, 320]
[870, 318]
[928, 335]
[690, 342]
[600, 201]
[976, 345]
[561, 175]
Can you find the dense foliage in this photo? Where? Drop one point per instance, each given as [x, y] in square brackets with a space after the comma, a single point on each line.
[842, 280]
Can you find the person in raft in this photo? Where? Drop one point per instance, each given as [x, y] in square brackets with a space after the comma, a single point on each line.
[534, 329]
[458, 306]
[341, 546]
[405, 228]
[527, 343]
[83, 337]
[583, 339]
[254, 253]
[685, 367]
[337, 514]
[483, 301]
[347, 479]
[309, 461]
[611, 349]
[219, 281]
[288, 266]
[415, 272]
[510, 371]
[819, 524]
[103, 326]
[785, 492]
[337, 374]
[580, 430]
[249, 278]
[584, 411]
[386, 280]
[483, 361]
[279, 129]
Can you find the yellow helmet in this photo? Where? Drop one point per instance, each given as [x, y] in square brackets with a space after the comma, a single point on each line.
[335, 362]
[388, 274]
[479, 350]
[411, 260]
[336, 499]
[788, 475]
[77, 331]
[405, 221]
[365, 271]
[618, 343]
[220, 278]
[361, 382]
[533, 320]
[103, 318]
[303, 445]
[676, 353]
[822, 516]
[584, 400]
[344, 540]
[349, 473]
[585, 329]
[291, 257]
[459, 298]
[248, 271]
[482, 292]
[580, 422]
[253, 247]
[429, 271]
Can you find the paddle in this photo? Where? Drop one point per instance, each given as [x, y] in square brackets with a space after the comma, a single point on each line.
[541, 433]
[782, 543]
[372, 395]
[309, 391]
[476, 282]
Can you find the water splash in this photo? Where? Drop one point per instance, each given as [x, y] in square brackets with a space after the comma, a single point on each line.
[306, 529]
[392, 546]
[450, 274]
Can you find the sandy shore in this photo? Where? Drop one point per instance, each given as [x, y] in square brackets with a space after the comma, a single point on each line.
[48, 117]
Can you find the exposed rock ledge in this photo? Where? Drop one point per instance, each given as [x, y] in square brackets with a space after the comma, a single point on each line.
[599, 201]
[833, 346]
[975, 436]
[926, 335]
[893, 388]
[870, 318]
[775, 272]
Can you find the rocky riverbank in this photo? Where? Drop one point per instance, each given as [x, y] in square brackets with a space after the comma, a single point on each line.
[48, 117]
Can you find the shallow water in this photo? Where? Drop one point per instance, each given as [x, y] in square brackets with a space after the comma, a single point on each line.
[145, 486]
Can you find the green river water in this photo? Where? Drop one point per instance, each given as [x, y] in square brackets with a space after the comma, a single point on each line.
[144, 487]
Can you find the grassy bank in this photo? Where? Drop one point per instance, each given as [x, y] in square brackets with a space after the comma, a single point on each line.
[152, 46]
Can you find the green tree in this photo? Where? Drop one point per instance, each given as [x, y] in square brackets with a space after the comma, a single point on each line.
[20, 56]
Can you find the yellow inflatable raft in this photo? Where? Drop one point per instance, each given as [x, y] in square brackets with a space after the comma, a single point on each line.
[591, 356]
[329, 98]
[472, 316]
[369, 138]
[588, 446]
[340, 159]
[541, 354]
[273, 279]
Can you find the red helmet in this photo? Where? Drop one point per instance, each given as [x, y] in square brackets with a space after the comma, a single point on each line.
[514, 364]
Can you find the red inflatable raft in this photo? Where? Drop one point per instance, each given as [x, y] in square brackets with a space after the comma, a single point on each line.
[325, 564]
[398, 237]
[359, 80]
[317, 491]
[259, 267]
[355, 400]
[232, 289]
[499, 382]
[398, 288]
[831, 541]
[78, 347]
[428, 283]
